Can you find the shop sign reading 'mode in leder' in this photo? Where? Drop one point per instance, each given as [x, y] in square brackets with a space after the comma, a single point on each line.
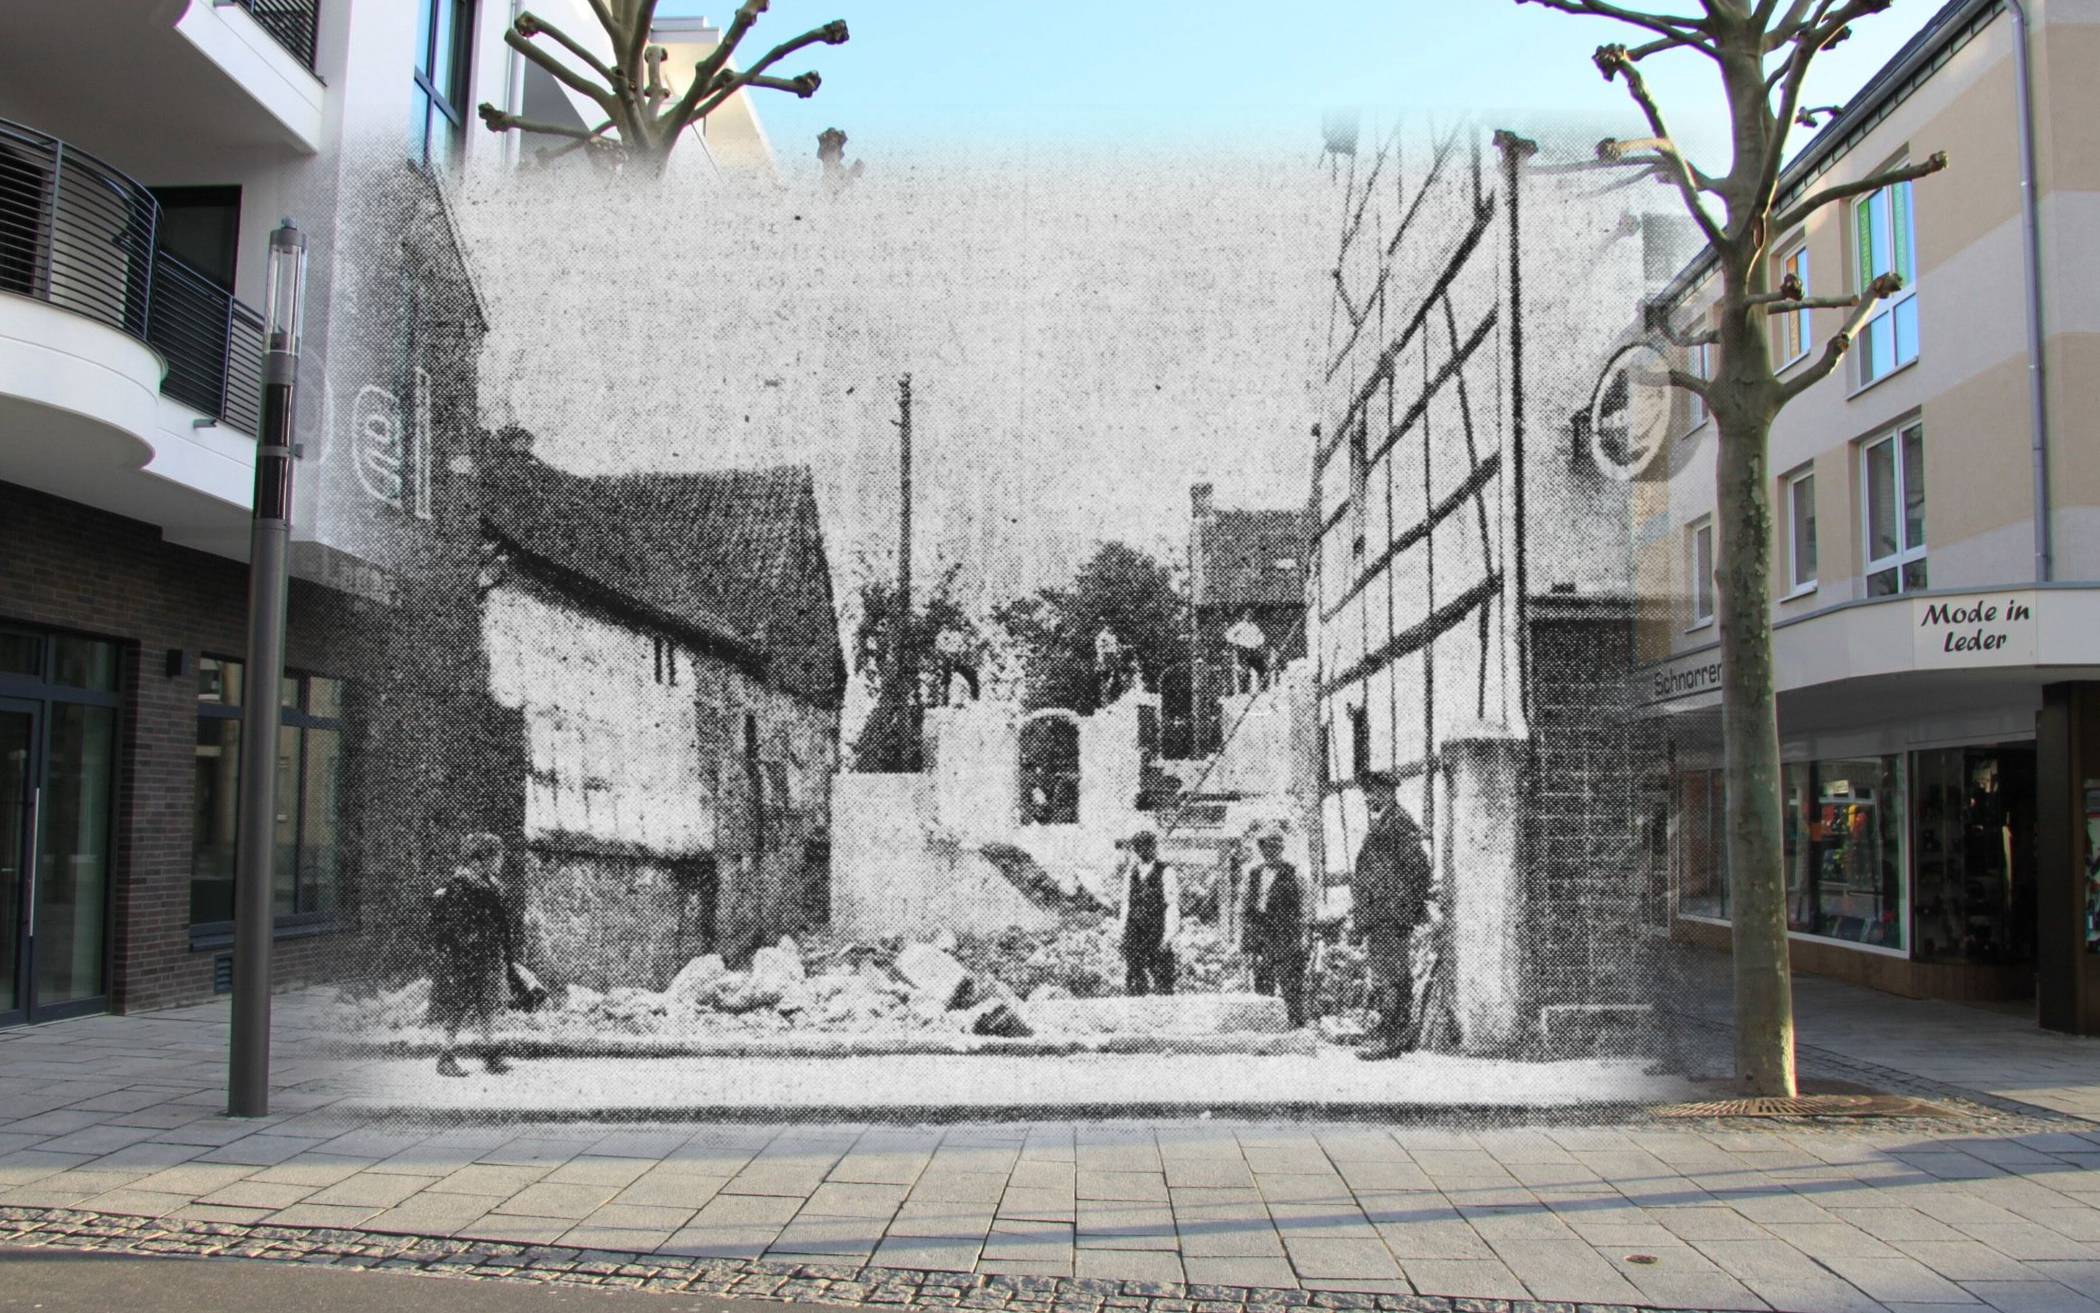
[1975, 629]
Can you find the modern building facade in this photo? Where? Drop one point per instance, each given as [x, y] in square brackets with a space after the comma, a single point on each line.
[1937, 566]
[147, 148]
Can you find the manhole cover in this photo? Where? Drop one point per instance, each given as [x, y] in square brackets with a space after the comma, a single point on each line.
[1811, 1105]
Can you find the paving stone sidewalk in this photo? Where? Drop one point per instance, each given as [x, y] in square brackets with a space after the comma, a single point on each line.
[110, 1133]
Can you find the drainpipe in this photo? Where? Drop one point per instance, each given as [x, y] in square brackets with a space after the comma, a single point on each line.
[514, 76]
[2031, 236]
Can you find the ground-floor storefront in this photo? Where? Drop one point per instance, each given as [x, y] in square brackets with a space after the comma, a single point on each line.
[1941, 824]
[121, 702]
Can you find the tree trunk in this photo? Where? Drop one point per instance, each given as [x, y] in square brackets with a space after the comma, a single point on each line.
[1764, 1007]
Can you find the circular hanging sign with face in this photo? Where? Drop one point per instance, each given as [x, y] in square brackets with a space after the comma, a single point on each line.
[1630, 411]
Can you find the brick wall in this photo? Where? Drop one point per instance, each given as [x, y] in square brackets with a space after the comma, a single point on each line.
[1589, 943]
[70, 566]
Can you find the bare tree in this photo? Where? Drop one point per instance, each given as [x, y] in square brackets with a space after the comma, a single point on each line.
[1763, 50]
[631, 89]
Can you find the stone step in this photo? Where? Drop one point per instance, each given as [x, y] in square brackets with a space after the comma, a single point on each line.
[1159, 1015]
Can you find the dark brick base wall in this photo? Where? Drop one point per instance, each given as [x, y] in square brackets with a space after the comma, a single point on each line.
[69, 566]
[1590, 943]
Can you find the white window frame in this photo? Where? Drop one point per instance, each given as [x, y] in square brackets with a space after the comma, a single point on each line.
[1881, 259]
[1906, 551]
[1699, 586]
[1698, 360]
[1799, 319]
[1797, 585]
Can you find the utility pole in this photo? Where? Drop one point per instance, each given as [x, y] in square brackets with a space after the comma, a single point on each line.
[904, 658]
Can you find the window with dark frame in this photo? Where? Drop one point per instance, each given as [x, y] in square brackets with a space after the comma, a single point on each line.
[309, 871]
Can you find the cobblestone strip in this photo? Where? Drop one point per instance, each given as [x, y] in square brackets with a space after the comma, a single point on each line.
[878, 1287]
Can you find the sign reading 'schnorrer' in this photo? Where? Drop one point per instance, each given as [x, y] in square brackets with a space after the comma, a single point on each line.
[1977, 629]
[1692, 678]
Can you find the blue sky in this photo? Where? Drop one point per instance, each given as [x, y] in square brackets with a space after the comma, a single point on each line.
[928, 73]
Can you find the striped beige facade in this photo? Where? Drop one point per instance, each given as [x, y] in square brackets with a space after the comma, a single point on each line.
[1867, 669]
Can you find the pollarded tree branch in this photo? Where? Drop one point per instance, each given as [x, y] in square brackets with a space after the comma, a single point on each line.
[1692, 383]
[1661, 154]
[804, 85]
[502, 120]
[530, 24]
[1612, 61]
[521, 42]
[1885, 286]
[1864, 186]
[1662, 24]
[727, 85]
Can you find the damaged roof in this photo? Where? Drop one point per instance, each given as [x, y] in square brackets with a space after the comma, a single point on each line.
[1253, 558]
[731, 559]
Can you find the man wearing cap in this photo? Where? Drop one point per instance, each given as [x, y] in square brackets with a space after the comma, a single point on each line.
[1389, 889]
[1150, 917]
[1275, 925]
[471, 935]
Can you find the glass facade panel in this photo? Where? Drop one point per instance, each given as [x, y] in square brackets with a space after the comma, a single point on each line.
[1801, 507]
[73, 855]
[21, 654]
[87, 663]
[1702, 852]
[320, 823]
[217, 809]
[1975, 859]
[1881, 501]
[219, 681]
[1913, 488]
[17, 734]
[1845, 835]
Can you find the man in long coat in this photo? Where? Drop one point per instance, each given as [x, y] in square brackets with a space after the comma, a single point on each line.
[474, 946]
[1275, 925]
[1390, 889]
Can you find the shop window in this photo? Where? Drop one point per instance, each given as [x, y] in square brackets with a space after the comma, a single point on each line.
[1885, 243]
[1801, 531]
[1701, 858]
[1845, 857]
[1975, 859]
[1790, 328]
[309, 873]
[1892, 479]
[1699, 570]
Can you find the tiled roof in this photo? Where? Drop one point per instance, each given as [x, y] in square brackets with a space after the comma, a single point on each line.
[1253, 558]
[731, 558]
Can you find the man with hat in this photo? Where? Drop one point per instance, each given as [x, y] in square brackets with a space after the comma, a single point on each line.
[1389, 889]
[1275, 924]
[1150, 917]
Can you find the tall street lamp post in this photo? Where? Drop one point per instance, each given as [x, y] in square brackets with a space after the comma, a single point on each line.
[270, 540]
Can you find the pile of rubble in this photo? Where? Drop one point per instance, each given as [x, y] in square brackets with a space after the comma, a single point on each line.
[980, 984]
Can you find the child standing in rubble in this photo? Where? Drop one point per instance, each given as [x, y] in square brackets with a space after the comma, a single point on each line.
[1150, 917]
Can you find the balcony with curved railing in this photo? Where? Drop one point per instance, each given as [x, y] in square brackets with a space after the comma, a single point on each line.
[81, 236]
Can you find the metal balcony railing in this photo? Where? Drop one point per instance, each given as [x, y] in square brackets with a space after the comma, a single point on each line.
[78, 234]
[291, 22]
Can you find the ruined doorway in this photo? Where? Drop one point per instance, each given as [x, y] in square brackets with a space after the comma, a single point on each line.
[1050, 768]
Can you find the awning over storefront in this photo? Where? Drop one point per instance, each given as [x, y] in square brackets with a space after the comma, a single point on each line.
[2022, 635]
